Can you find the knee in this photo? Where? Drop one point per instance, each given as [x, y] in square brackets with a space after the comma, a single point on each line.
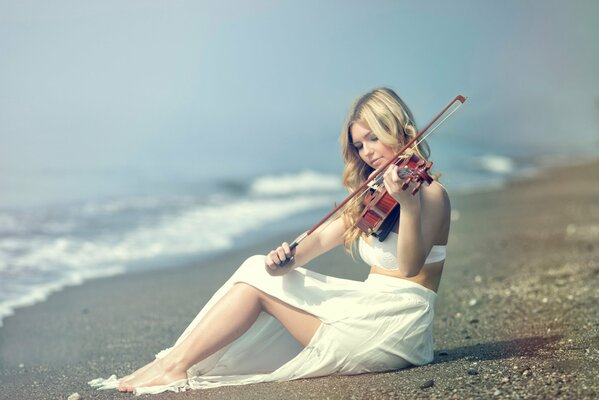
[253, 261]
[248, 291]
[244, 286]
[251, 265]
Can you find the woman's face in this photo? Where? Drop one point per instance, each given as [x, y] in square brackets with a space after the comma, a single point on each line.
[369, 148]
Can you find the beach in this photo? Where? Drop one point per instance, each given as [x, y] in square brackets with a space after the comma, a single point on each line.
[516, 315]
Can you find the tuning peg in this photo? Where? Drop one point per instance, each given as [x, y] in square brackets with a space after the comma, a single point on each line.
[417, 187]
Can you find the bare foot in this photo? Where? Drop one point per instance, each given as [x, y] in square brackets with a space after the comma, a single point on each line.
[153, 374]
[124, 381]
[165, 379]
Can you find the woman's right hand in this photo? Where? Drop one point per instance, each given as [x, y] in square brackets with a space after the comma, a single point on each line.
[273, 260]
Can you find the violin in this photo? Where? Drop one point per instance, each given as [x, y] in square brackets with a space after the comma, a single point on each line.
[380, 205]
[415, 170]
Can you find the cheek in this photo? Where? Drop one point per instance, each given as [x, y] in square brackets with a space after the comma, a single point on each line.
[386, 151]
[360, 155]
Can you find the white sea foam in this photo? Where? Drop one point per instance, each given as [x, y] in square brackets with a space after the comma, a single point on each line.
[496, 164]
[306, 181]
[27, 295]
[128, 204]
[32, 267]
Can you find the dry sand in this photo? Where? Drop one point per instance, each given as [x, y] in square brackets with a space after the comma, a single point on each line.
[517, 314]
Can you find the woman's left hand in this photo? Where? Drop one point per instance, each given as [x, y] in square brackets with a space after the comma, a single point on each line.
[405, 198]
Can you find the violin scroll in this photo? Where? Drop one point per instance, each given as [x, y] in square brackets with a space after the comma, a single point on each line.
[417, 172]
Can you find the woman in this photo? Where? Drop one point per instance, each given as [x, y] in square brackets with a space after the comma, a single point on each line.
[272, 322]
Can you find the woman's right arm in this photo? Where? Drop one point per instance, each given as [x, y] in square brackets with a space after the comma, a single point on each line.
[323, 239]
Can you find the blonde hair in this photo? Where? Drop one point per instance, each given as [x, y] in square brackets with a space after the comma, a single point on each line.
[390, 119]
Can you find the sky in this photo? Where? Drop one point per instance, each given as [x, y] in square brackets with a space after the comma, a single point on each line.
[160, 90]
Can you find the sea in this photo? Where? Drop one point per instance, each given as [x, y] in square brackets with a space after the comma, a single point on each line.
[49, 245]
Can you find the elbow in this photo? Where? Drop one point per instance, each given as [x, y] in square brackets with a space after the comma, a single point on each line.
[410, 274]
[411, 266]
[410, 271]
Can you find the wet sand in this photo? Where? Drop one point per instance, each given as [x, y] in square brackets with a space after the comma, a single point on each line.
[516, 316]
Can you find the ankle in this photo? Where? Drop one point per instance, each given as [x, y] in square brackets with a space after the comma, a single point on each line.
[174, 365]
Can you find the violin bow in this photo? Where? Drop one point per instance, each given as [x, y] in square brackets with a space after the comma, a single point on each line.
[456, 103]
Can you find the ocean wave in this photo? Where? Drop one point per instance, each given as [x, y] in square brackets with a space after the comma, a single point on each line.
[305, 181]
[495, 163]
[31, 267]
[22, 295]
[131, 204]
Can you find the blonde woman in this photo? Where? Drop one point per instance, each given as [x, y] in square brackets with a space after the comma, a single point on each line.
[270, 322]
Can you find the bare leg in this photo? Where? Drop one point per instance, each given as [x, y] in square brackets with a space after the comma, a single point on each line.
[226, 321]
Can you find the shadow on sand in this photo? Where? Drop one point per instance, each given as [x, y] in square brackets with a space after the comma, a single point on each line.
[495, 351]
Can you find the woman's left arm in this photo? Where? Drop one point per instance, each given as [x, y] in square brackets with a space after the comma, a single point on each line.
[424, 219]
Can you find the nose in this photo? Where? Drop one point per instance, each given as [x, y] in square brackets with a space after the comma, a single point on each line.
[366, 150]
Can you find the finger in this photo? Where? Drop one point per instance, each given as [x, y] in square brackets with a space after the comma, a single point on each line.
[281, 253]
[395, 174]
[390, 179]
[268, 261]
[373, 173]
[286, 248]
[391, 172]
[274, 257]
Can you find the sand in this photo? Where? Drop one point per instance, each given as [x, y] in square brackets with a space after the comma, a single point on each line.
[516, 316]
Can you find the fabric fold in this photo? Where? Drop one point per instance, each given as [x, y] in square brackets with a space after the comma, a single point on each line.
[381, 324]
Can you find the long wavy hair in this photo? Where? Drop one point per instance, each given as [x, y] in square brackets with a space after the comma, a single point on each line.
[390, 119]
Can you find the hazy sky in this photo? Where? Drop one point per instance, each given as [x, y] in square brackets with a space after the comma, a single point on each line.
[175, 85]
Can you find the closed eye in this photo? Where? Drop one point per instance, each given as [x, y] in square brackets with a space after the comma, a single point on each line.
[370, 137]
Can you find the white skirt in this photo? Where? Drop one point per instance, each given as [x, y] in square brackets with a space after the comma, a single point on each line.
[381, 324]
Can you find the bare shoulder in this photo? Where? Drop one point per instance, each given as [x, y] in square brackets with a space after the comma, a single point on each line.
[437, 211]
[435, 197]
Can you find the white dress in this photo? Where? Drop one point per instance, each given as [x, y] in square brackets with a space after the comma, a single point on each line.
[381, 324]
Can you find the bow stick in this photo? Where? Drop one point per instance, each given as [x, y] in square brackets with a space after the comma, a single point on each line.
[377, 176]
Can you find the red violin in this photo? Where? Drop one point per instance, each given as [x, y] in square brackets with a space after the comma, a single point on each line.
[379, 204]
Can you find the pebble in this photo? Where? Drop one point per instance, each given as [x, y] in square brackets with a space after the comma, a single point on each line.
[472, 302]
[472, 371]
[497, 392]
[21, 365]
[74, 396]
[427, 384]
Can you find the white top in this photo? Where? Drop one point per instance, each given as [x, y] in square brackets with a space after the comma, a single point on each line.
[384, 254]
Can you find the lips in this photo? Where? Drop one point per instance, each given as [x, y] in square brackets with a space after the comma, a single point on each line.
[377, 161]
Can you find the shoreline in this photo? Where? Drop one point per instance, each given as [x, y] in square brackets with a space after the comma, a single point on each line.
[42, 291]
[515, 312]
